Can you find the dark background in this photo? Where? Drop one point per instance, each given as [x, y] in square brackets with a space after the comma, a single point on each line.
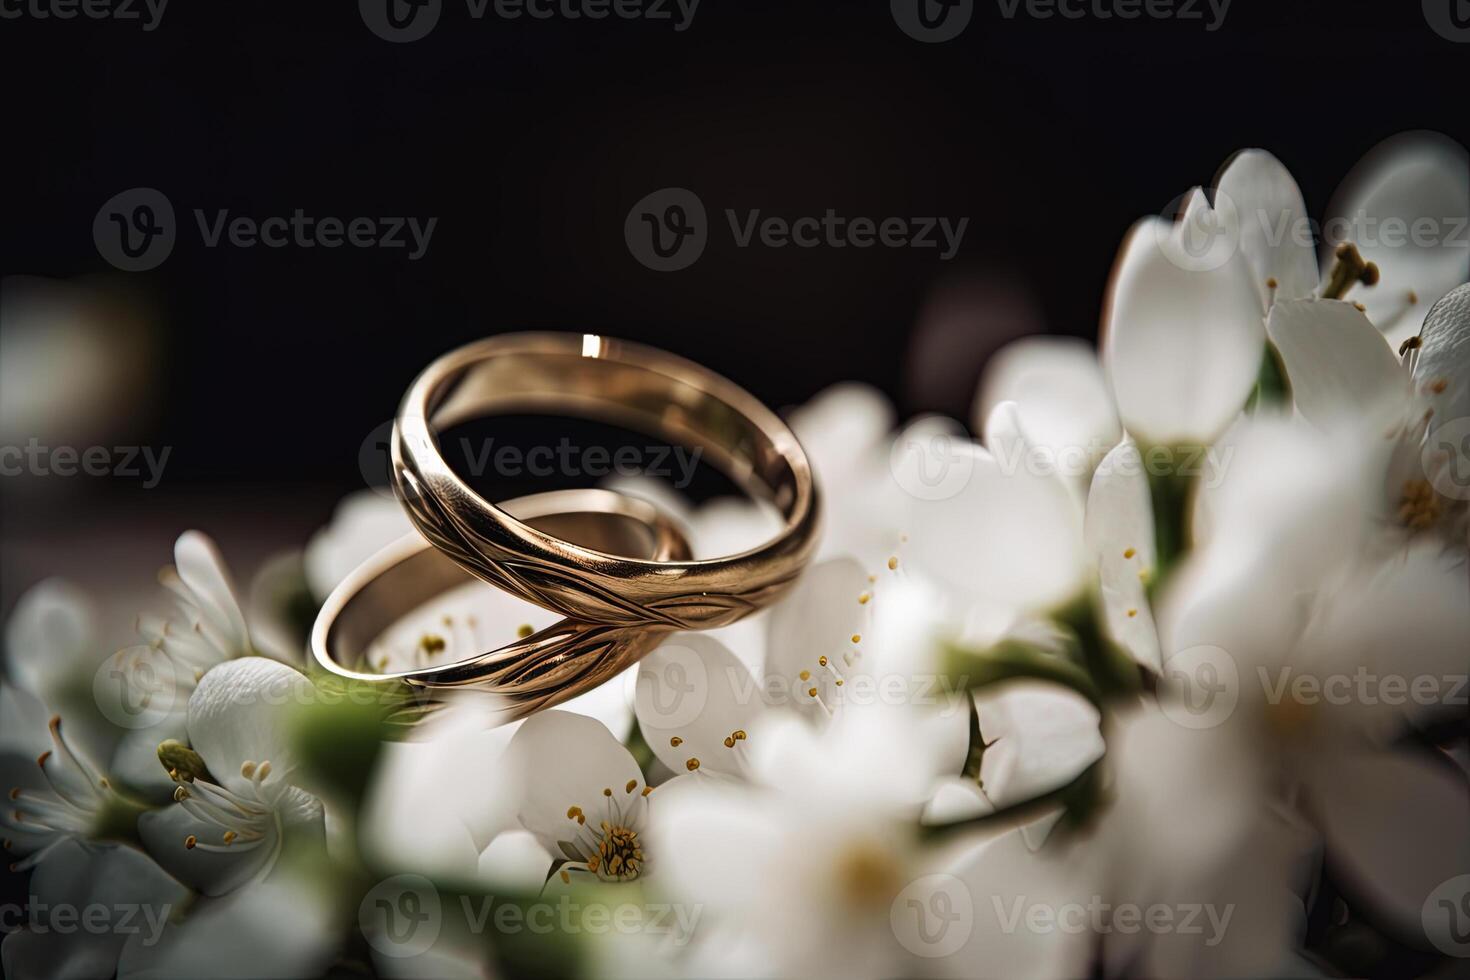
[531, 140]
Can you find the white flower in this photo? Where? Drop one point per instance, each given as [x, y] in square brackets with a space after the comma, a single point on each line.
[1347, 380]
[1405, 182]
[798, 871]
[63, 780]
[236, 805]
[1284, 589]
[280, 928]
[582, 796]
[66, 819]
[207, 628]
[1182, 342]
[1058, 387]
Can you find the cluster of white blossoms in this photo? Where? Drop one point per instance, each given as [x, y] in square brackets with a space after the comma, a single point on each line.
[1194, 706]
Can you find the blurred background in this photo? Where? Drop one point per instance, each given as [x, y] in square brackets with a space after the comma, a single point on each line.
[264, 371]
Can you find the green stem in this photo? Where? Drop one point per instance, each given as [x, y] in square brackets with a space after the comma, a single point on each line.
[1077, 797]
[1014, 660]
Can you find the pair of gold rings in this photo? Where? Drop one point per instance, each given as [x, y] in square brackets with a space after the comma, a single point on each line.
[617, 568]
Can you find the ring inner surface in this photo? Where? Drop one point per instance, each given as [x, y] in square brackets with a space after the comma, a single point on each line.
[636, 397]
[402, 588]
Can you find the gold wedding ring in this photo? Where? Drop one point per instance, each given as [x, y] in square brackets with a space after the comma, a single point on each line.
[638, 387]
[541, 670]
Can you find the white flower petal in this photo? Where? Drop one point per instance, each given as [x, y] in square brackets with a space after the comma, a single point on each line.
[163, 832]
[1120, 538]
[1059, 389]
[238, 714]
[692, 695]
[457, 762]
[132, 889]
[817, 619]
[1005, 882]
[839, 426]
[1445, 357]
[1405, 205]
[1408, 620]
[1395, 827]
[50, 636]
[1275, 231]
[202, 569]
[716, 843]
[280, 928]
[560, 760]
[957, 798]
[1009, 535]
[1339, 366]
[515, 859]
[1038, 738]
[1182, 348]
